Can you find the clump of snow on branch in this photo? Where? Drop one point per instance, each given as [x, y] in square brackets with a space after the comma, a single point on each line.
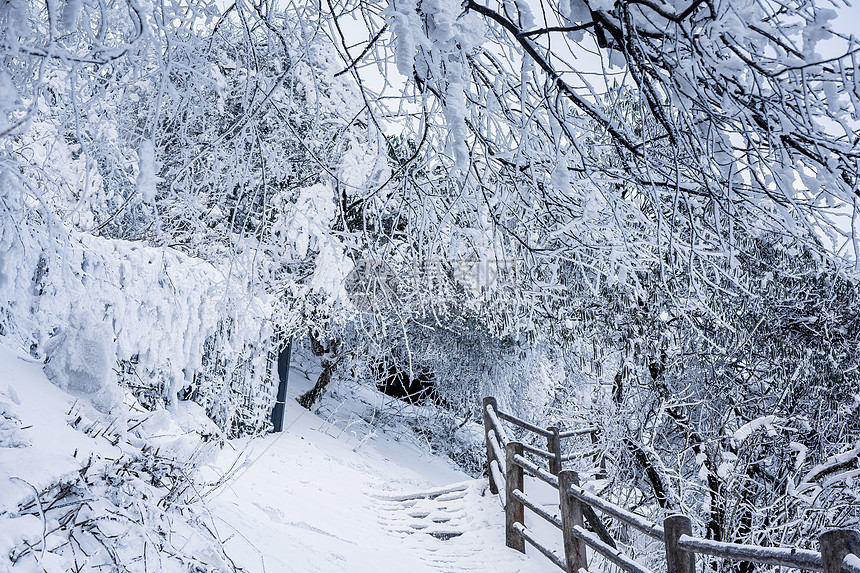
[305, 226]
[434, 43]
[405, 24]
[8, 95]
[81, 361]
[147, 170]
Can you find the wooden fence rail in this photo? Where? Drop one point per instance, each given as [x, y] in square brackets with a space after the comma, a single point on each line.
[839, 549]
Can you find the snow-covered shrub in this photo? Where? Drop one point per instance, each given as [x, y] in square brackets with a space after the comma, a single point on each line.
[137, 511]
[81, 360]
[461, 441]
[164, 321]
[11, 435]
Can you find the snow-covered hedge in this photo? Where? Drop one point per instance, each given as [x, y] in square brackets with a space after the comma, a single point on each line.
[105, 312]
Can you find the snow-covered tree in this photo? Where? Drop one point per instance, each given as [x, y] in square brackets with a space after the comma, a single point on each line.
[676, 184]
[213, 132]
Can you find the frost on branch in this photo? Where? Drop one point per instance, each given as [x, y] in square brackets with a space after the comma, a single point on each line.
[147, 170]
[433, 44]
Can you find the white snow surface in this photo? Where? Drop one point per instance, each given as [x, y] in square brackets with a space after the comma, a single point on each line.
[47, 447]
[318, 497]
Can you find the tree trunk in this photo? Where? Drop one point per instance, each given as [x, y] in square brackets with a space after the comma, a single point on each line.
[309, 398]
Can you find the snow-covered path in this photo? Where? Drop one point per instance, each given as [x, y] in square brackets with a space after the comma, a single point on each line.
[438, 526]
[316, 498]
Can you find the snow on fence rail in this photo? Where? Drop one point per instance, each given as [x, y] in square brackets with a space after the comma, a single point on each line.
[840, 548]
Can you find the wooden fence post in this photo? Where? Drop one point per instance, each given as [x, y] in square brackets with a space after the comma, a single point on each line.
[553, 446]
[677, 559]
[835, 545]
[488, 425]
[514, 510]
[571, 515]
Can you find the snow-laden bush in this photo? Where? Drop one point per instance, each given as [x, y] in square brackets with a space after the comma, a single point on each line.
[103, 311]
[138, 509]
[81, 362]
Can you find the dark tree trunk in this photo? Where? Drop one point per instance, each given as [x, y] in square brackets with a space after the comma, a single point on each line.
[309, 398]
[329, 349]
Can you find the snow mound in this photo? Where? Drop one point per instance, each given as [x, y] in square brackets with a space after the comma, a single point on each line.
[80, 361]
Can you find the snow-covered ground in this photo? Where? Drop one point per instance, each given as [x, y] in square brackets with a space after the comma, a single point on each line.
[316, 498]
[320, 496]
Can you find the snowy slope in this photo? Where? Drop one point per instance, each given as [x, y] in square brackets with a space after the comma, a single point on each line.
[316, 499]
[37, 443]
[82, 490]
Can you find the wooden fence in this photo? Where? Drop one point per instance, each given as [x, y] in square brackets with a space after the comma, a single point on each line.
[506, 462]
